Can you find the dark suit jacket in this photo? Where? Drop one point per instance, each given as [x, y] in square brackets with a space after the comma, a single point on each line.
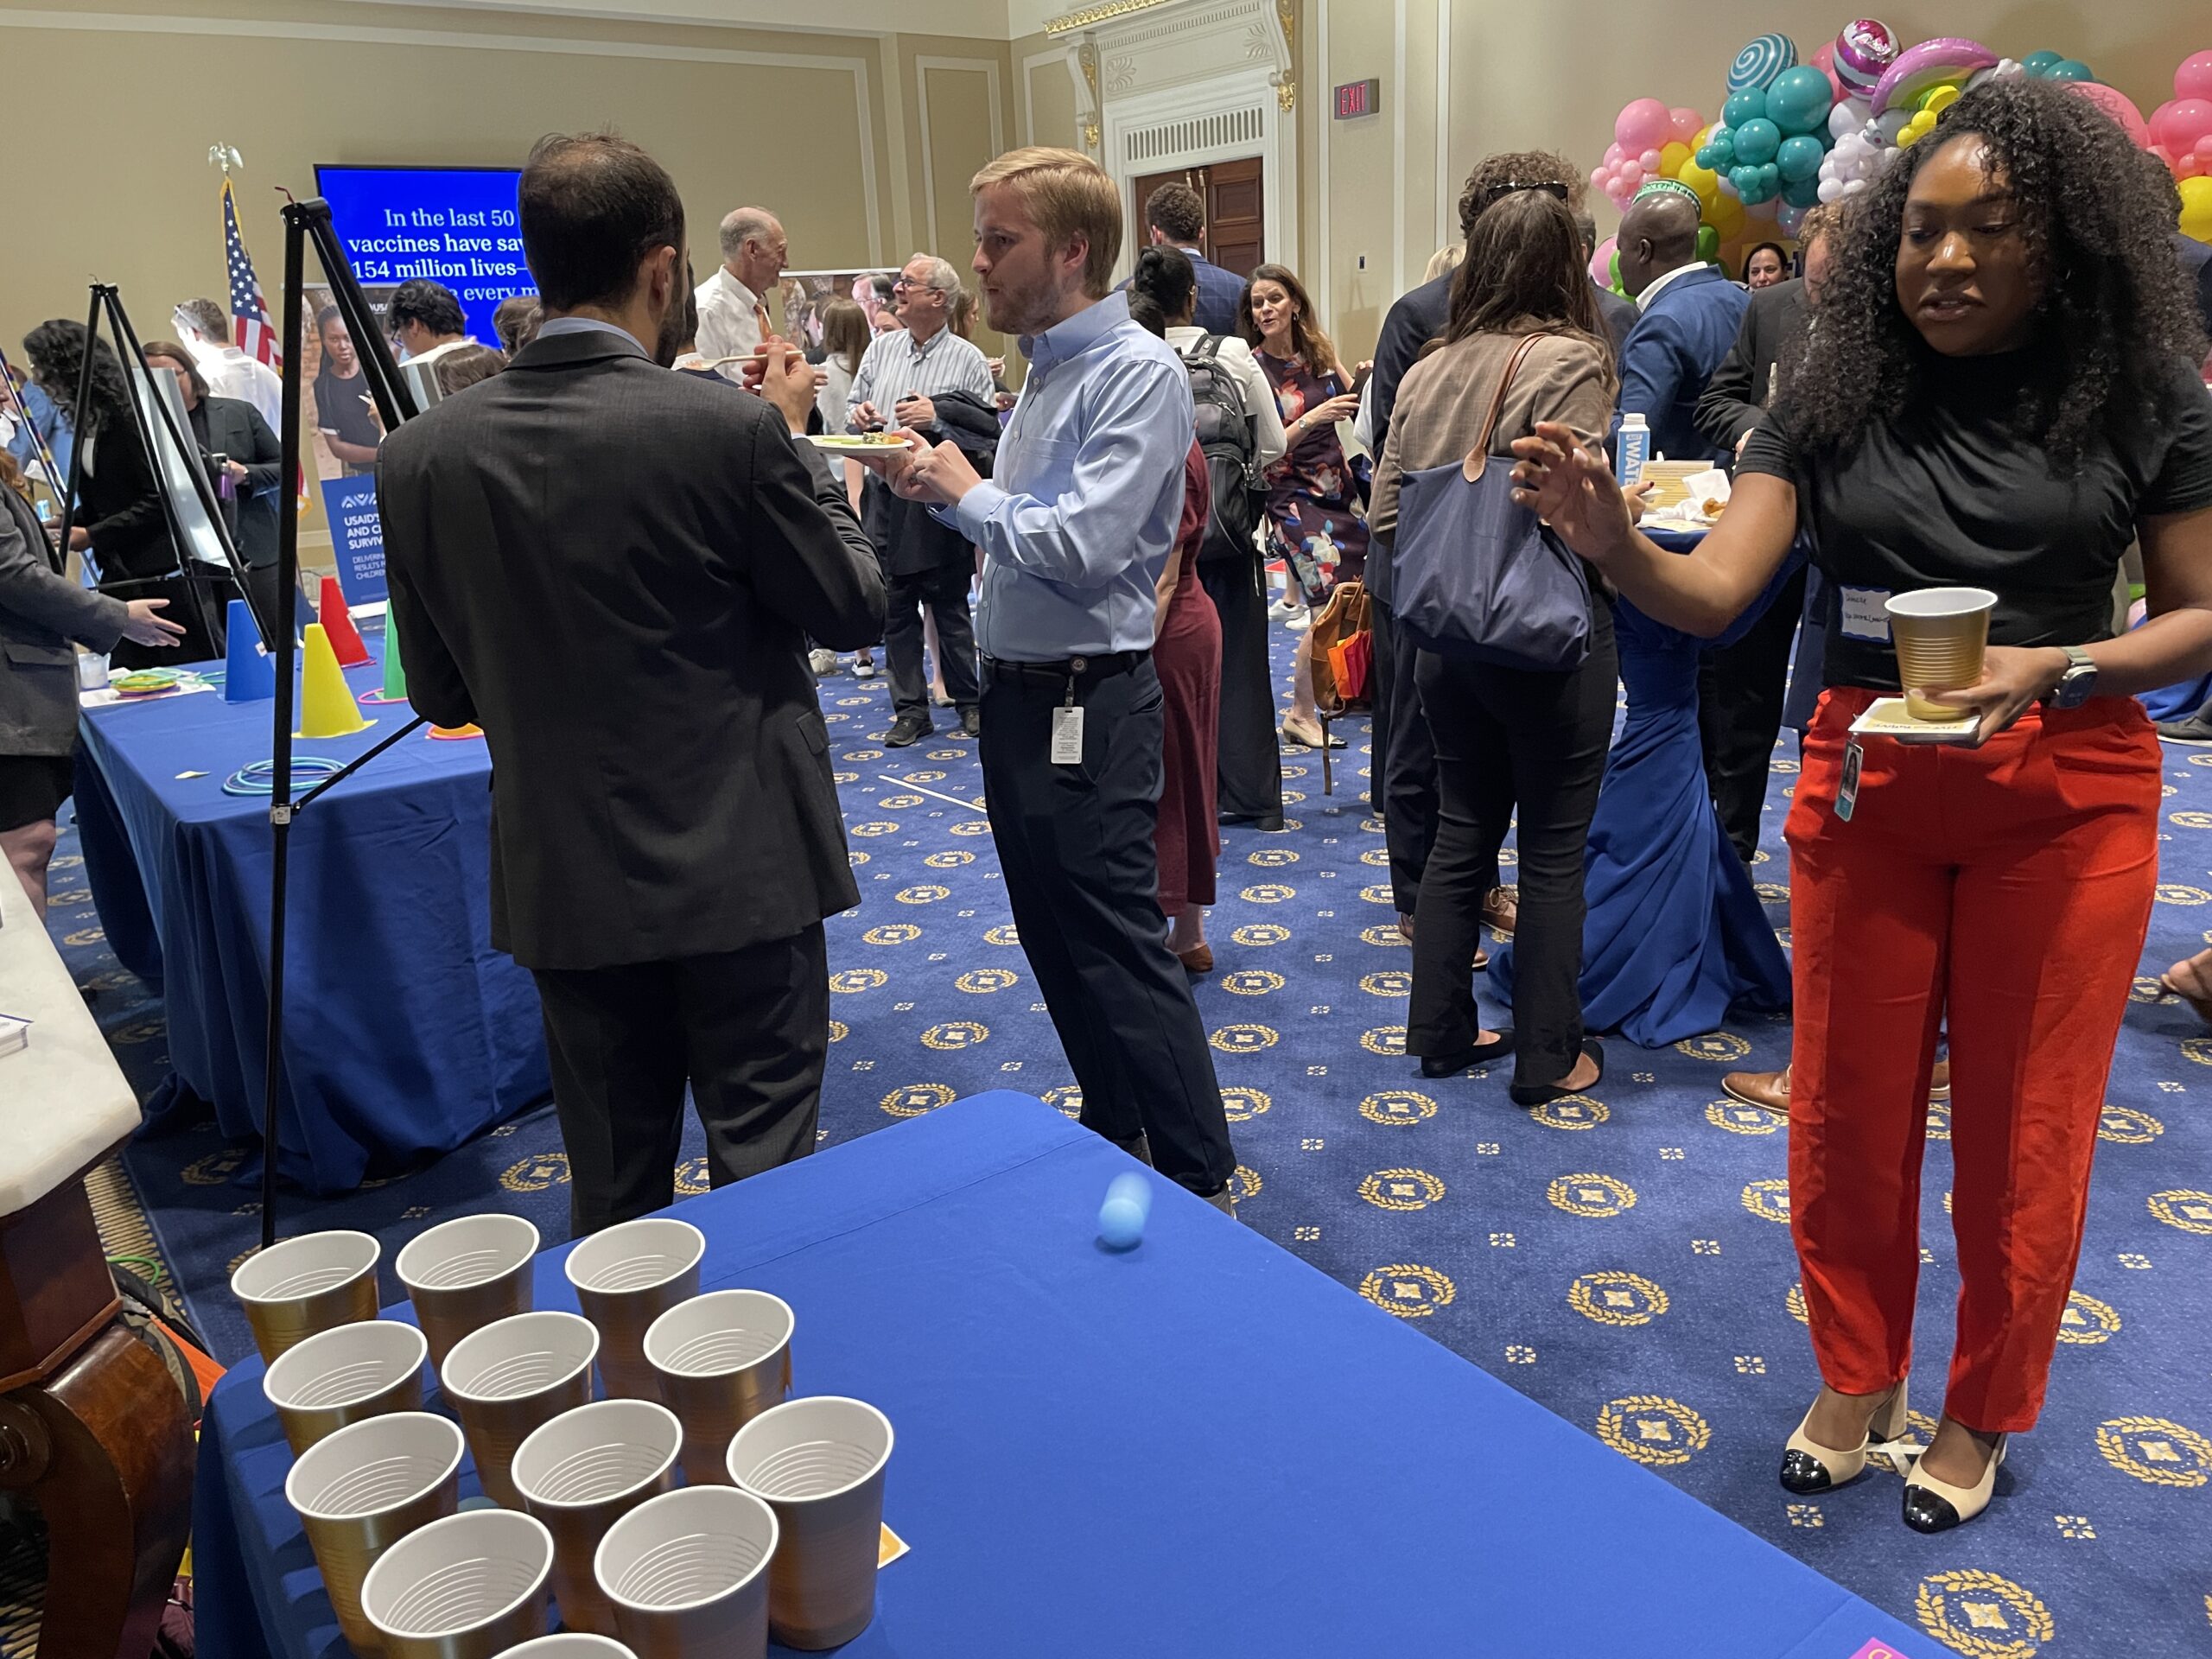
[2197, 262]
[1736, 397]
[39, 614]
[1672, 351]
[906, 534]
[612, 569]
[1221, 293]
[1618, 315]
[1416, 318]
[235, 429]
[120, 508]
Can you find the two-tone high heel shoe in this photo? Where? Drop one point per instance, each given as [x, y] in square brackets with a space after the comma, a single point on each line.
[1933, 1505]
[1809, 1466]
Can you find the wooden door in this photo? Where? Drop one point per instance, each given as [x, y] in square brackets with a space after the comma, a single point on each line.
[1236, 237]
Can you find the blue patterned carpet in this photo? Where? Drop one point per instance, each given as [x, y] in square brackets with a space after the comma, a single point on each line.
[1623, 1258]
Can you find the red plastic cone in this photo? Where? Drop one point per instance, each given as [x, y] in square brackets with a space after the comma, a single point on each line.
[345, 638]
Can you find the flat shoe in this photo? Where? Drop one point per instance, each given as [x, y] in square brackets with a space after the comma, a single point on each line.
[1542, 1094]
[1198, 959]
[1445, 1065]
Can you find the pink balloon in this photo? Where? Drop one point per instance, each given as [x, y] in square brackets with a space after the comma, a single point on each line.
[2115, 104]
[2194, 78]
[2190, 167]
[1686, 123]
[1601, 263]
[1598, 178]
[1643, 125]
[1614, 154]
[1649, 161]
[2183, 121]
[1824, 60]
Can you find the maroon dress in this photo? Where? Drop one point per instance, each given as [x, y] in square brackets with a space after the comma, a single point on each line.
[1188, 657]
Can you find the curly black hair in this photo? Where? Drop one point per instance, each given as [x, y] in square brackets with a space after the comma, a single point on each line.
[56, 351]
[2115, 313]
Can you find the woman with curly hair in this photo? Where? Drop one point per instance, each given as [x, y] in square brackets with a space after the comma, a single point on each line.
[2000, 394]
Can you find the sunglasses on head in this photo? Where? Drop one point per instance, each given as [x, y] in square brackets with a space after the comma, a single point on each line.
[1497, 192]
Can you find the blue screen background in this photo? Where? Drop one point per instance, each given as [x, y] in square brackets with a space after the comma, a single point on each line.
[454, 225]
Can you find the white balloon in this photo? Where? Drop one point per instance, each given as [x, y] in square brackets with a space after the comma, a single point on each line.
[1890, 123]
[1831, 189]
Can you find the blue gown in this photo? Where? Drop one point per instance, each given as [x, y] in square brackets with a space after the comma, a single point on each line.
[1675, 934]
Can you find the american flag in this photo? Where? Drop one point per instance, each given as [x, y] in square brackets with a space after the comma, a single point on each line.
[250, 321]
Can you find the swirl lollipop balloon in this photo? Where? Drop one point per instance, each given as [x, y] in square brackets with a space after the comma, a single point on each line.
[1760, 62]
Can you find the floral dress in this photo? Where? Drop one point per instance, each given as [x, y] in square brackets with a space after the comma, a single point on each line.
[1312, 524]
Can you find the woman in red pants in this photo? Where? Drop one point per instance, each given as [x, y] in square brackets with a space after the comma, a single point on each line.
[2000, 394]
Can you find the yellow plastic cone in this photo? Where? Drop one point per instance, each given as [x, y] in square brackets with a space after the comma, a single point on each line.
[327, 705]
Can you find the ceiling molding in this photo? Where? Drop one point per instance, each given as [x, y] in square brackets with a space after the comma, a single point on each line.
[972, 19]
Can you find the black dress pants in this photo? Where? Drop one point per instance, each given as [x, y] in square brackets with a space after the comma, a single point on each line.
[1401, 776]
[1249, 764]
[945, 590]
[1739, 696]
[1505, 737]
[748, 1029]
[1075, 844]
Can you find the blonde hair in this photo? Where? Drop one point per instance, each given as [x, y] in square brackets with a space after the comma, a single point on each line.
[1068, 195]
[1446, 257]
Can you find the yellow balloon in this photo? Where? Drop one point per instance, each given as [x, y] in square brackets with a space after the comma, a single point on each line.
[1725, 215]
[1703, 180]
[1672, 160]
[1939, 99]
[2196, 208]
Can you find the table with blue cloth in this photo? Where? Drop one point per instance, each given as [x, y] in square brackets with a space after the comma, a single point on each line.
[405, 1032]
[1202, 1446]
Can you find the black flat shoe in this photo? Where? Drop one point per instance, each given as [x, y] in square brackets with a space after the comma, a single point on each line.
[1445, 1065]
[1542, 1094]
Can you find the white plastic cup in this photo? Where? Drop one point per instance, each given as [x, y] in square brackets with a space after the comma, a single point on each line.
[570, 1644]
[687, 1574]
[343, 1376]
[819, 1464]
[582, 1473]
[299, 1287]
[626, 1277]
[360, 1491]
[463, 1274]
[514, 1375]
[467, 1587]
[721, 1359]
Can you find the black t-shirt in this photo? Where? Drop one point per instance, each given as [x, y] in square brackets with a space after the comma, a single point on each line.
[1948, 494]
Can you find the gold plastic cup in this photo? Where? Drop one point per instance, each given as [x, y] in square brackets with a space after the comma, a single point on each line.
[626, 1277]
[463, 1274]
[362, 1489]
[582, 1473]
[819, 1462]
[1940, 634]
[570, 1644]
[722, 1359]
[302, 1286]
[514, 1375]
[469, 1586]
[687, 1574]
[345, 1376]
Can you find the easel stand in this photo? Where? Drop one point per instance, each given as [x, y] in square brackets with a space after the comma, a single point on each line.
[306, 222]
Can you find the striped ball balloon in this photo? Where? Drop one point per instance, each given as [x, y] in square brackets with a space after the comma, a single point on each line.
[1760, 62]
[1863, 50]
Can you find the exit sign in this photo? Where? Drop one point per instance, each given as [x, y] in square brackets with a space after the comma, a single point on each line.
[1358, 97]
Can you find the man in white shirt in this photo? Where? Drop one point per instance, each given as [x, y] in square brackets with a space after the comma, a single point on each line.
[732, 302]
[227, 370]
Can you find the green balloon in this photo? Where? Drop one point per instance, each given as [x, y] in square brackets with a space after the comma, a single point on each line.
[1708, 243]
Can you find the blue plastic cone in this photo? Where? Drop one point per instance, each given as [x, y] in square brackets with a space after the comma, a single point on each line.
[248, 675]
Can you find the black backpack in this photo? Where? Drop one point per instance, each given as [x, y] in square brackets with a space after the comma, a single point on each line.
[1224, 435]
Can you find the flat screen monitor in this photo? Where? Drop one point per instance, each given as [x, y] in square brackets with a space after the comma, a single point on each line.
[454, 224]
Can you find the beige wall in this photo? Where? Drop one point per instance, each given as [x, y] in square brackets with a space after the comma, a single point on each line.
[1046, 92]
[1515, 78]
[824, 128]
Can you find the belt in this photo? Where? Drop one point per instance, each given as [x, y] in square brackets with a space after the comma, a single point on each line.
[1071, 668]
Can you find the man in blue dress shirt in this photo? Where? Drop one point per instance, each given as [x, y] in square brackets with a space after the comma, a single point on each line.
[1075, 526]
[1691, 315]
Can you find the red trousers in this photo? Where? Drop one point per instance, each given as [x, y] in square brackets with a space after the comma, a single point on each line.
[2012, 886]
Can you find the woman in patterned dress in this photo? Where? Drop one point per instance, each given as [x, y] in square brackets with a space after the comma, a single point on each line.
[1312, 524]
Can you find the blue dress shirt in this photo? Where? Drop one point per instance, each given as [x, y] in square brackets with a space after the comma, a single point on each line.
[1077, 519]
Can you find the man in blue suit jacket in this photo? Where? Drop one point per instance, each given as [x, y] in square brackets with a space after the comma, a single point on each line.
[1691, 313]
[1175, 217]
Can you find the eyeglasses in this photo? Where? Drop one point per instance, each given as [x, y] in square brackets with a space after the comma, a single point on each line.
[1497, 192]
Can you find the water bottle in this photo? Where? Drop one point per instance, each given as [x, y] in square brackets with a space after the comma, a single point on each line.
[1632, 448]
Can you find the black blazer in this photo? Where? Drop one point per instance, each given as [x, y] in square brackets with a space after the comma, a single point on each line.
[120, 508]
[1618, 315]
[235, 429]
[1736, 397]
[613, 568]
[908, 536]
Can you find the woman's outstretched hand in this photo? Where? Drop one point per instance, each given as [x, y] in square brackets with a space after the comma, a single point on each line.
[1571, 491]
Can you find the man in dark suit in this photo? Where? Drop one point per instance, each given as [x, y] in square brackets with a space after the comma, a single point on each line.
[1617, 314]
[252, 465]
[1690, 315]
[612, 569]
[1175, 217]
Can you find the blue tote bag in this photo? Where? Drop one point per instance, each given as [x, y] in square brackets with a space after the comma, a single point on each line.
[1475, 577]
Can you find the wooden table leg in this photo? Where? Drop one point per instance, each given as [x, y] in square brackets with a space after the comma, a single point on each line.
[105, 1447]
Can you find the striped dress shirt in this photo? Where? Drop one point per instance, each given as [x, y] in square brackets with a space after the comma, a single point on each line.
[894, 365]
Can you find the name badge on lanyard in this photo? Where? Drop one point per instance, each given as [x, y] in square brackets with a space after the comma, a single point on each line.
[1862, 615]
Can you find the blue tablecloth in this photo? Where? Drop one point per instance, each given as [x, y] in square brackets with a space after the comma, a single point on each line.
[1203, 1448]
[405, 1032]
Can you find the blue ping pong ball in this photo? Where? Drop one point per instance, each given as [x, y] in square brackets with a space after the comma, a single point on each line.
[1132, 1188]
[1121, 1223]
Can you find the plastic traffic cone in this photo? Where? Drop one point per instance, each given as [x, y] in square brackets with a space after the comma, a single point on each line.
[395, 671]
[248, 674]
[327, 708]
[345, 638]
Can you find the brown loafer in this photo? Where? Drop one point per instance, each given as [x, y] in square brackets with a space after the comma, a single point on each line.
[1770, 1089]
[1198, 959]
[1939, 1081]
[1501, 911]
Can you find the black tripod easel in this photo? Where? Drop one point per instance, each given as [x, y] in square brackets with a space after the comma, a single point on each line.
[306, 222]
[138, 386]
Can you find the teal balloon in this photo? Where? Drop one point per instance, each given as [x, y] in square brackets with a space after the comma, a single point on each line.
[1745, 178]
[2070, 69]
[1708, 243]
[1743, 106]
[1799, 158]
[1756, 142]
[2039, 63]
[1799, 99]
[1718, 153]
[1801, 193]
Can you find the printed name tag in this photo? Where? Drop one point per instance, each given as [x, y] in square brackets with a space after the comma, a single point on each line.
[1863, 615]
[1067, 737]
